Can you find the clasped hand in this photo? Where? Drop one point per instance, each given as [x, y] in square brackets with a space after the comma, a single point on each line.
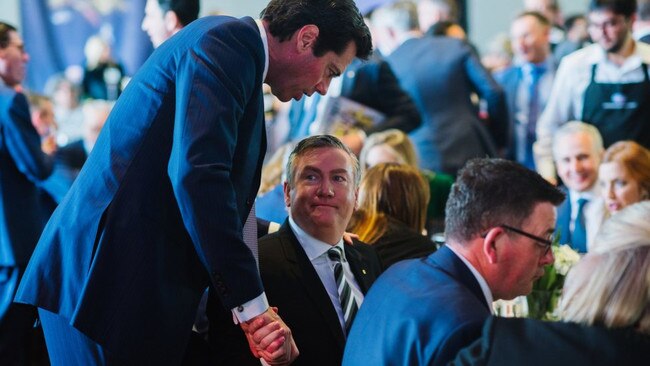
[269, 338]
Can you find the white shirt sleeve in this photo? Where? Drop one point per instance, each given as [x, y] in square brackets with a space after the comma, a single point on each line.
[250, 309]
[559, 109]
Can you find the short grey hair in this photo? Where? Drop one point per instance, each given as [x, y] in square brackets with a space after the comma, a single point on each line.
[575, 127]
[317, 142]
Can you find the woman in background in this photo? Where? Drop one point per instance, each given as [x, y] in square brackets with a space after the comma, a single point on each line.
[392, 211]
[394, 146]
[624, 175]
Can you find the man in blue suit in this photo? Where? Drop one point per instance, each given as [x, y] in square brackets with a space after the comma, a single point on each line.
[500, 221]
[527, 84]
[22, 165]
[441, 74]
[161, 208]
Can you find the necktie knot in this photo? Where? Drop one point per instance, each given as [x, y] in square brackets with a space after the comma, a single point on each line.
[582, 202]
[335, 254]
[536, 71]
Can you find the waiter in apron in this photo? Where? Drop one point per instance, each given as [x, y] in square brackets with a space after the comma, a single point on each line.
[620, 110]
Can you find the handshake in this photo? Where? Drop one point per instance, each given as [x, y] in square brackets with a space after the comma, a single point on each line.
[270, 339]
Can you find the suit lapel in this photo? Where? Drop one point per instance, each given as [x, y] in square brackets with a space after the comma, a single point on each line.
[449, 262]
[358, 267]
[304, 273]
[564, 219]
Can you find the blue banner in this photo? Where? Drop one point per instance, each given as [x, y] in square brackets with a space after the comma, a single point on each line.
[55, 32]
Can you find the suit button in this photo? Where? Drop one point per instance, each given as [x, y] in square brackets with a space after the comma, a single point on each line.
[240, 308]
[249, 202]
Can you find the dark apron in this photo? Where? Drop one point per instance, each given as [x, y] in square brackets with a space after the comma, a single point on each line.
[619, 111]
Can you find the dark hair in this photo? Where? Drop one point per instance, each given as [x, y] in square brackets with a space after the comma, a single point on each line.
[440, 28]
[570, 21]
[317, 142]
[338, 22]
[4, 33]
[541, 19]
[620, 7]
[492, 192]
[186, 10]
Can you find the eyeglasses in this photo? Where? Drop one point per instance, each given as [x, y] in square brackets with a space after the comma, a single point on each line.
[607, 24]
[545, 243]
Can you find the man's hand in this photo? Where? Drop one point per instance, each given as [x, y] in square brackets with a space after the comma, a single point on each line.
[271, 339]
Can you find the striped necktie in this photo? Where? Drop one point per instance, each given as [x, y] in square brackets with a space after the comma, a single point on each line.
[348, 303]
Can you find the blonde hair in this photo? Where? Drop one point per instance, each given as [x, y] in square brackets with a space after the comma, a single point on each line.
[634, 158]
[273, 170]
[610, 286]
[397, 140]
[390, 190]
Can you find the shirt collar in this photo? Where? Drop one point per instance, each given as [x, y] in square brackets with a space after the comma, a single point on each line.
[313, 247]
[487, 293]
[265, 42]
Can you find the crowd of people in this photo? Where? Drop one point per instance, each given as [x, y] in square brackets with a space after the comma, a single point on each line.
[367, 205]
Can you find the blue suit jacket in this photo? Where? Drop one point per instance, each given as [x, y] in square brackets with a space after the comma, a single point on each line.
[419, 312]
[22, 165]
[509, 79]
[440, 74]
[156, 213]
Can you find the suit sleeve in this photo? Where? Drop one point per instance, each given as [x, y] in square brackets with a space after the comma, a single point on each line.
[400, 110]
[215, 80]
[492, 93]
[23, 142]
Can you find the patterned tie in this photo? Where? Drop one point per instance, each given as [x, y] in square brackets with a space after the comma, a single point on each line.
[579, 235]
[536, 73]
[346, 297]
[250, 233]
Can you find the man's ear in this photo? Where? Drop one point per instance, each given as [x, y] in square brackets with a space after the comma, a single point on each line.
[287, 194]
[172, 23]
[356, 199]
[490, 244]
[306, 37]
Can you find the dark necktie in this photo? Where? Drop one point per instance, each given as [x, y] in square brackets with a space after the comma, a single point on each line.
[346, 297]
[579, 235]
[536, 73]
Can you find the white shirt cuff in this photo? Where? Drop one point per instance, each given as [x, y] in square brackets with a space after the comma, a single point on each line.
[250, 309]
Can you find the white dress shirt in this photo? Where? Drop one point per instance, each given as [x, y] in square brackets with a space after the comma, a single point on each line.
[594, 212]
[316, 251]
[487, 293]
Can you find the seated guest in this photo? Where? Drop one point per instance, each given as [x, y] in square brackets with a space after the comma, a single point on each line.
[394, 146]
[605, 308]
[315, 279]
[392, 211]
[499, 225]
[624, 175]
[578, 150]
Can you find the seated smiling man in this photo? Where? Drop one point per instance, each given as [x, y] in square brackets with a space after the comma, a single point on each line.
[500, 219]
[315, 279]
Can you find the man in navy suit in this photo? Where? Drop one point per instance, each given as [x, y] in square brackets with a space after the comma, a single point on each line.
[298, 274]
[22, 165]
[578, 151]
[161, 207]
[527, 84]
[500, 220]
[441, 74]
